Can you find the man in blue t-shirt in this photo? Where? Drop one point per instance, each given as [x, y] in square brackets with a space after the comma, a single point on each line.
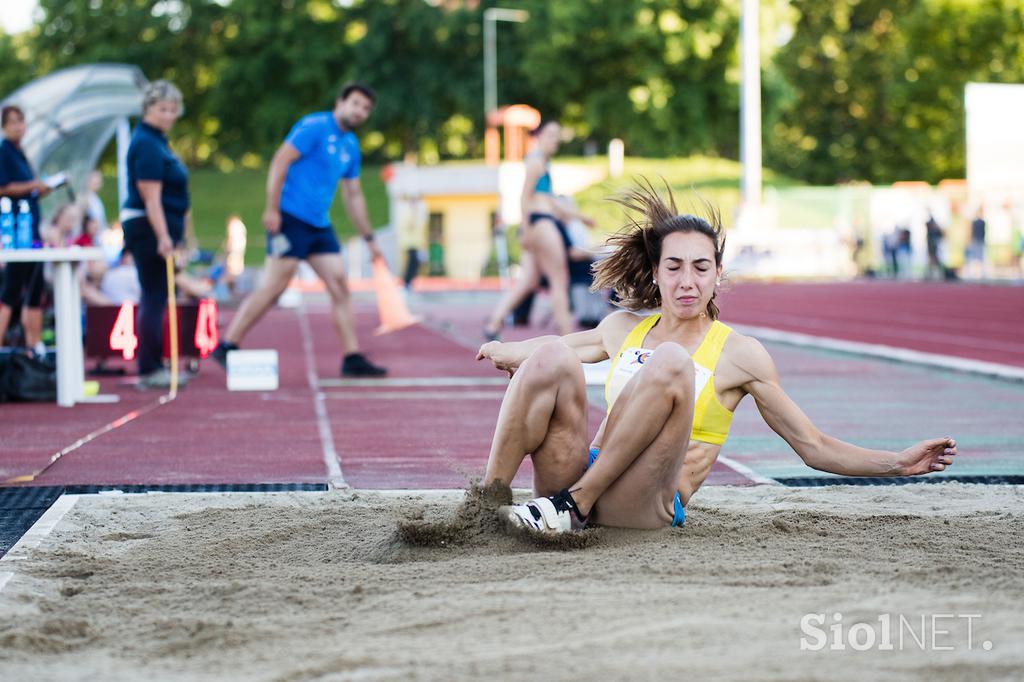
[320, 151]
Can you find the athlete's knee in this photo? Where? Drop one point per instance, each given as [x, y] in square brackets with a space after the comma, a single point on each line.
[337, 288]
[551, 363]
[566, 459]
[672, 365]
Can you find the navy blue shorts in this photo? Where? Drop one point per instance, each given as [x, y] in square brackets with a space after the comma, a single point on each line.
[303, 239]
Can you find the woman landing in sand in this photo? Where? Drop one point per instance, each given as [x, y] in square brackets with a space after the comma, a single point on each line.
[676, 378]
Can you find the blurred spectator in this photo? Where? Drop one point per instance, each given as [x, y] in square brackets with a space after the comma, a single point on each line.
[90, 277]
[933, 235]
[890, 248]
[23, 282]
[64, 227]
[90, 234]
[93, 206]
[904, 251]
[976, 249]
[120, 284]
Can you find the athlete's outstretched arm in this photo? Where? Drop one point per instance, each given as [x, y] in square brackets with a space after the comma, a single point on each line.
[590, 345]
[823, 452]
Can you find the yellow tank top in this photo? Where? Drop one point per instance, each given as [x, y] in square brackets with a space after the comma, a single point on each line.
[711, 421]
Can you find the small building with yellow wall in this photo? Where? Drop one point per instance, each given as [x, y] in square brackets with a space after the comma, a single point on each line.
[446, 213]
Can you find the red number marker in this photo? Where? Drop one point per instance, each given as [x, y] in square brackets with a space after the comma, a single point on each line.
[122, 336]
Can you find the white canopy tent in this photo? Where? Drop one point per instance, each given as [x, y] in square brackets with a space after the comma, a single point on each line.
[73, 113]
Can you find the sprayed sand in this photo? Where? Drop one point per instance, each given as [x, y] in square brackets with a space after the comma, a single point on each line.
[343, 585]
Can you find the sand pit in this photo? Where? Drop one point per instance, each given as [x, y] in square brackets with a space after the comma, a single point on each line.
[346, 586]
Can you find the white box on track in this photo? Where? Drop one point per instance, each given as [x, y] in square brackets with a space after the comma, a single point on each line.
[252, 370]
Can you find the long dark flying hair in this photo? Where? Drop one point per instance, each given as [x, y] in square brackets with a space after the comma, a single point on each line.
[628, 271]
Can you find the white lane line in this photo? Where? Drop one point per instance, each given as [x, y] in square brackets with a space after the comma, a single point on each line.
[35, 535]
[331, 459]
[417, 395]
[414, 382]
[744, 470]
[914, 357]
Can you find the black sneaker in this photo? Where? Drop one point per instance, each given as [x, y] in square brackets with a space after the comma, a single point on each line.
[220, 353]
[356, 365]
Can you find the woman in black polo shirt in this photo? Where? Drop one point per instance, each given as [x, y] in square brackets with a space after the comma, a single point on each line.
[153, 218]
[23, 282]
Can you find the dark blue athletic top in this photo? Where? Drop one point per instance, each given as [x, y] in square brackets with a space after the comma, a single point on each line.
[151, 158]
[14, 167]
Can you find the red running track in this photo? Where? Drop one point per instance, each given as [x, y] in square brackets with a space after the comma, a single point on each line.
[386, 436]
[982, 322]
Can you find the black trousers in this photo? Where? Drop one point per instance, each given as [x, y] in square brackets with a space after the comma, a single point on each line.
[149, 319]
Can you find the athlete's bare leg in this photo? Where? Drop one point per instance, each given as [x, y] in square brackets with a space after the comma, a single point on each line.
[528, 281]
[277, 273]
[330, 267]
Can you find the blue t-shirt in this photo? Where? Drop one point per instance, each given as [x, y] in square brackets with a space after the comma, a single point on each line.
[151, 158]
[328, 155]
[14, 167]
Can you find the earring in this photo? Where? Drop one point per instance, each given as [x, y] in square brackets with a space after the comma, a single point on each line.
[654, 280]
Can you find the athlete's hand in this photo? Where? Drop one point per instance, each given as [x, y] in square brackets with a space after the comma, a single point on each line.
[164, 246]
[272, 221]
[499, 355]
[375, 252]
[928, 456]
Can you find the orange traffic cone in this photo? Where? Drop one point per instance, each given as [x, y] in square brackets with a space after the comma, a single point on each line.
[394, 314]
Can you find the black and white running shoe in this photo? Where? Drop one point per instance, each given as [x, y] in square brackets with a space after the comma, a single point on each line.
[555, 514]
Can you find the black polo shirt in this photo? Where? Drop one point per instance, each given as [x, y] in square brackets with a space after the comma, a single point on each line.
[150, 158]
[14, 167]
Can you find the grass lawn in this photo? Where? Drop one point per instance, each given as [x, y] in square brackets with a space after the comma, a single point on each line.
[692, 178]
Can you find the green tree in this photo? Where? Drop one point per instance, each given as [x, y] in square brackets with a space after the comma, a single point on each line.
[426, 64]
[18, 69]
[179, 41]
[281, 59]
[654, 72]
[877, 86]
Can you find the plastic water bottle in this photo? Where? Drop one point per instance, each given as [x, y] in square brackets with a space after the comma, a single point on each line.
[23, 235]
[6, 224]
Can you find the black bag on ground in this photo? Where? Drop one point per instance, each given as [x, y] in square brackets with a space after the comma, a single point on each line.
[25, 378]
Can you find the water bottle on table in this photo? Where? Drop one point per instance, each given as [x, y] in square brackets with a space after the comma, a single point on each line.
[6, 224]
[23, 232]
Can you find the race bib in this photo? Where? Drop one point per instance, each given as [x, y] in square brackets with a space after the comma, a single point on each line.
[632, 360]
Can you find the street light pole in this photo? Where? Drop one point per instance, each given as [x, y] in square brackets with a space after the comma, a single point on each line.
[491, 17]
[750, 103]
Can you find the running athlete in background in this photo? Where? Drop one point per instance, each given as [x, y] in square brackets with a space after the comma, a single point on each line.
[545, 240]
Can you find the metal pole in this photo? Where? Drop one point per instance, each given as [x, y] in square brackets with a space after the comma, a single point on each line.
[491, 16]
[490, 65]
[750, 103]
[124, 139]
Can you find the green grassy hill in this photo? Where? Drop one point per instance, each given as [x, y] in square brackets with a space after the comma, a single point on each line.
[692, 178]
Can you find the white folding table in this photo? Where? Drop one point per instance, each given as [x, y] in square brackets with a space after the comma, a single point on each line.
[67, 304]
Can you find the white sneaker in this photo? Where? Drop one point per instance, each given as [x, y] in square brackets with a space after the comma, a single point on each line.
[555, 514]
